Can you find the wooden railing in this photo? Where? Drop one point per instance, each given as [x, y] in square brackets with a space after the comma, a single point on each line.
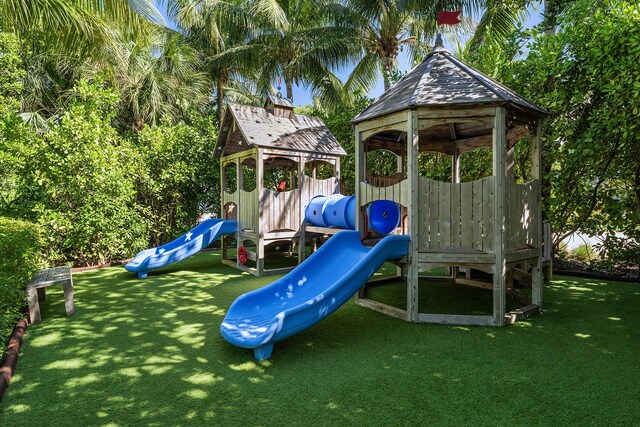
[522, 210]
[456, 215]
[285, 210]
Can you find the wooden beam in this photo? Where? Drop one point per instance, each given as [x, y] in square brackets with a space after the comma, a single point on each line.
[522, 313]
[500, 192]
[383, 308]
[260, 186]
[360, 178]
[384, 122]
[474, 283]
[250, 152]
[456, 319]
[413, 142]
[453, 258]
[462, 114]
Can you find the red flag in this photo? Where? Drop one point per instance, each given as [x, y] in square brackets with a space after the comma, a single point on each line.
[449, 18]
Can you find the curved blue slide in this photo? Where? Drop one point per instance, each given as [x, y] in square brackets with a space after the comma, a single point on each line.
[183, 247]
[309, 293]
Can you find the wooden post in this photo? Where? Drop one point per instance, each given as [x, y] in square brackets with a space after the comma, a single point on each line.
[536, 273]
[301, 184]
[359, 178]
[336, 173]
[499, 174]
[239, 186]
[413, 140]
[223, 189]
[260, 230]
[455, 179]
[360, 174]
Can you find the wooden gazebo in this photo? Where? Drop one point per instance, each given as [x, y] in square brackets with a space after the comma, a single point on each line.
[491, 225]
[255, 142]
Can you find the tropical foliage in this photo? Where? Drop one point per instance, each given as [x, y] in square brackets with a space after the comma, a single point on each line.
[591, 79]
[20, 258]
[106, 107]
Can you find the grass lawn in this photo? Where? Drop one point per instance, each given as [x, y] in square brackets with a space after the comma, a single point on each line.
[149, 353]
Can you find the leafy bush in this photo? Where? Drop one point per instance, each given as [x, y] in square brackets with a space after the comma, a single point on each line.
[583, 253]
[77, 184]
[179, 177]
[20, 252]
[12, 72]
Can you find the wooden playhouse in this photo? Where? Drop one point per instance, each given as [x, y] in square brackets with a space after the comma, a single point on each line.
[270, 160]
[490, 225]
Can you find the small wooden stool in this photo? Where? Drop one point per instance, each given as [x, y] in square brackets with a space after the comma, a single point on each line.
[36, 290]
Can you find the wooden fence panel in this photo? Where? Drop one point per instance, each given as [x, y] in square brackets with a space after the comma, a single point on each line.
[456, 215]
[248, 209]
[522, 215]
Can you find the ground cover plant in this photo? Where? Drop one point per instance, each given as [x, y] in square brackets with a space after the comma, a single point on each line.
[148, 352]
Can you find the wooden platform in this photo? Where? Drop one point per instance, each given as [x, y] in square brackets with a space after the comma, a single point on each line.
[43, 279]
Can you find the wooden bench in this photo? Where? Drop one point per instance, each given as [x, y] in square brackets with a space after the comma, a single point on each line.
[49, 277]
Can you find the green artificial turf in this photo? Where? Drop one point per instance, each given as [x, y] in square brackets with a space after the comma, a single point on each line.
[149, 353]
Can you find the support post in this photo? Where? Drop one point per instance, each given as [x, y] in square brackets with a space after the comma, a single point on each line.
[239, 186]
[260, 230]
[359, 178]
[455, 179]
[499, 173]
[413, 140]
[536, 171]
[360, 174]
[301, 184]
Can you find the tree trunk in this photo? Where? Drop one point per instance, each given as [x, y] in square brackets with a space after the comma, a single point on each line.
[545, 162]
[220, 99]
[289, 85]
[637, 184]
[386, 72]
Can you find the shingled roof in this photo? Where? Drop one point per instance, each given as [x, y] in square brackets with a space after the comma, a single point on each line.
[443, 80]
[257, 126]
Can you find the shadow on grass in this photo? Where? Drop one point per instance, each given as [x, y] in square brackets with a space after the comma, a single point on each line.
[149, 352]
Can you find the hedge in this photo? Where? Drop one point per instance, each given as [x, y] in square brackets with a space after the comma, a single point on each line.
[20, 258]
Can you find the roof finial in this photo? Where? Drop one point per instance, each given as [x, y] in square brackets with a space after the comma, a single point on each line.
[439, 42]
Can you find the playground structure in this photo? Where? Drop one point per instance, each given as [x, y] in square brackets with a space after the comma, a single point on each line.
[272, 198]
[256, 145]
[493, 224]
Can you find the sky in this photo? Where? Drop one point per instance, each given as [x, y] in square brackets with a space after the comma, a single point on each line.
[302, 96]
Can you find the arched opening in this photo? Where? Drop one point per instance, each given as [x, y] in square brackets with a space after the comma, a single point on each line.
[320, 169]
[230, 178]
[280, 174]
[385, 157]
[249, 174]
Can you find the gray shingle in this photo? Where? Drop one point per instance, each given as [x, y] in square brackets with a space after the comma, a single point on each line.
[264, 129]
[441, 80]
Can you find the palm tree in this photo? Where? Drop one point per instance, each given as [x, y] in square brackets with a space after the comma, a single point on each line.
[303, 41]
[74, 24]
[388, 27]
[158, 76]
[218, 30]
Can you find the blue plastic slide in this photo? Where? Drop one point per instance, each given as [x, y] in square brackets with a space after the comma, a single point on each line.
[308, 294]
[183, 247]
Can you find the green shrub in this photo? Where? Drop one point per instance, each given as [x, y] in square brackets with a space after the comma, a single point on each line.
[583, 253]
[77, 184]
[179, 178]
[20, 258]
